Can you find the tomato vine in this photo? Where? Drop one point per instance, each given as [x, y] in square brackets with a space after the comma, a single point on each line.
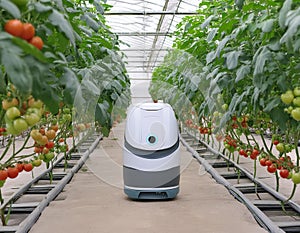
[235, 66]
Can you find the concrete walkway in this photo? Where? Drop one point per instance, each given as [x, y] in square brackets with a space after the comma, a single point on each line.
[94, 201]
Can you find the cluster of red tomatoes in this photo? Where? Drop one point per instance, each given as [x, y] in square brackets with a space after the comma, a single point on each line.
[25, 31]
[189, 123]
[13, 171]
[252, 153]
[44, 142]
[230, 143]
[239, 121]
[204, 130]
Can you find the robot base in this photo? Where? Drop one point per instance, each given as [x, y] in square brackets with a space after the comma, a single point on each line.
[152, 194]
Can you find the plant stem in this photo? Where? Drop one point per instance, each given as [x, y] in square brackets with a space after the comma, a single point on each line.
[292, 194]
[6, 149]
[277, 181]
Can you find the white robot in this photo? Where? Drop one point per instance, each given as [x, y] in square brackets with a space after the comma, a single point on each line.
[151, 162]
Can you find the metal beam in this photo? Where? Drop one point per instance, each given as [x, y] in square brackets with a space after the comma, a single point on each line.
[139, 61]
[144, 33]
[139, 72]
[142, 50]
[133, 66]
[141, 79]
[152, 13]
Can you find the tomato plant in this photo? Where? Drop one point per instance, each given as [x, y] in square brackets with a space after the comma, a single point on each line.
[235, 64]
[51, 53]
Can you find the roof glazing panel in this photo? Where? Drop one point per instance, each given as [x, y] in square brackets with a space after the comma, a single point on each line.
[146, 28]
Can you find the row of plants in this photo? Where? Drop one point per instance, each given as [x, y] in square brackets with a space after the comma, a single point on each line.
[235, 69]
[61, 74]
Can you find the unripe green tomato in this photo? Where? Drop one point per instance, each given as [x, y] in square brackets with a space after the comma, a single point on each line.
[11, 130]
[280, 147]
[225, 107]
[296, 91]
[296, 178]
[20, 124]
[287, 97]
[296, 101]
[12, 113]
[296, 114]
[67, 117]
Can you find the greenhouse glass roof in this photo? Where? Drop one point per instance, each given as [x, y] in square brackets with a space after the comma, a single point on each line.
[146, 27]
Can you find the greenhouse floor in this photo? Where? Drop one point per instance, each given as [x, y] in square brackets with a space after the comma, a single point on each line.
[94, 201]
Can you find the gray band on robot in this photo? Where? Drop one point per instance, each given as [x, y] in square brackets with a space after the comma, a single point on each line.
[151, 154]
[151, 179]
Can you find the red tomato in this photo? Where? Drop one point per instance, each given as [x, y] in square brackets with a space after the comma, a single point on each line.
[3, 174]
[263, 162]
[20, 166]
[268, 162]
[28, 167]
[28, 31]
[50, 144]
[272, 168]
[255, 152]
[14, 27]
[38, 149]
[12, 172]
[284, 173]
[275, 142]
[242, 152]
[37, 42]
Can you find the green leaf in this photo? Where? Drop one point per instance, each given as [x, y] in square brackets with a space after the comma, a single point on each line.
[98, 6]
[29, 49]
[211, 34]
[91, 22]
[41, 8]
[43, 84]
[272, 104]
[221, 45]
[261, 56]
[207, 21]
[2, 83]
[5, 36]
[58, 19]
[267, 25]
[287, 5]
[232, 59]
[17, 70]
[293, 25]
[187, 26]
[239, 3]
[71, 84]
[210, 57]
[10, 8]
[243, 71]
[274, 45]
[102, 114]
[280, 117]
